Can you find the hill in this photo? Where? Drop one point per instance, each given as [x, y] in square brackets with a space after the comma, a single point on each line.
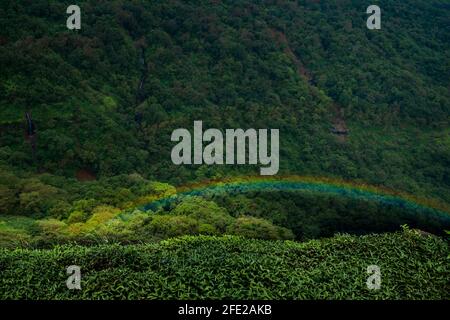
[303, 67]
[86, 118]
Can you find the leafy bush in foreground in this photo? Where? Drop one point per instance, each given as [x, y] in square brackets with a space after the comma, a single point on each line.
[413, 266]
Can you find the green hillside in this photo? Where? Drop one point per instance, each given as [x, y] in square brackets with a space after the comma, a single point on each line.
[300, 66]
[86, 118]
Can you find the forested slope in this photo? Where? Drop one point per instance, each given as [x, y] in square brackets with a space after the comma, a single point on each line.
[102, 102]
[292, 65]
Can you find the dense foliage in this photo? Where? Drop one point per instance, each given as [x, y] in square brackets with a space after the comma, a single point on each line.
[105, 99]
[272, 64]
[116, 210]
[412, 266]
[85, 124]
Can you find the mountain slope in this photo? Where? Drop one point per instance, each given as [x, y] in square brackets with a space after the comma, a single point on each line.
[93, 112]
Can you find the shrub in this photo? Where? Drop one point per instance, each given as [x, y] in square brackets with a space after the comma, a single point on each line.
[251, 227]
[206, 212]
[202, 267]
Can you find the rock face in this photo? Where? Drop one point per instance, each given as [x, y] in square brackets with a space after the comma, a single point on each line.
[339, 126]
[31, 133]
[85, 175]
[339, 129]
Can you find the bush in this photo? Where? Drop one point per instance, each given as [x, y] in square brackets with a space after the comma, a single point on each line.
[257, 228]
[77, 216]
[200, 267]
[166, 226]
[206, 212]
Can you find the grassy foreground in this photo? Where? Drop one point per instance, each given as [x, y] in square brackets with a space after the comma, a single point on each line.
[413, 266]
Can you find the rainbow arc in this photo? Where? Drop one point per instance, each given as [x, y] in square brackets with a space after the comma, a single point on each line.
[306, 184]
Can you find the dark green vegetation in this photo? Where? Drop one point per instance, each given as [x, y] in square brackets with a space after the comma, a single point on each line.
[275, 64]
[119, 216]
[300, 66]
[413, 267]
[104, 101]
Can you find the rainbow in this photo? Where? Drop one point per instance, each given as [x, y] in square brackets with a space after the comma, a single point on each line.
[317, 185]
